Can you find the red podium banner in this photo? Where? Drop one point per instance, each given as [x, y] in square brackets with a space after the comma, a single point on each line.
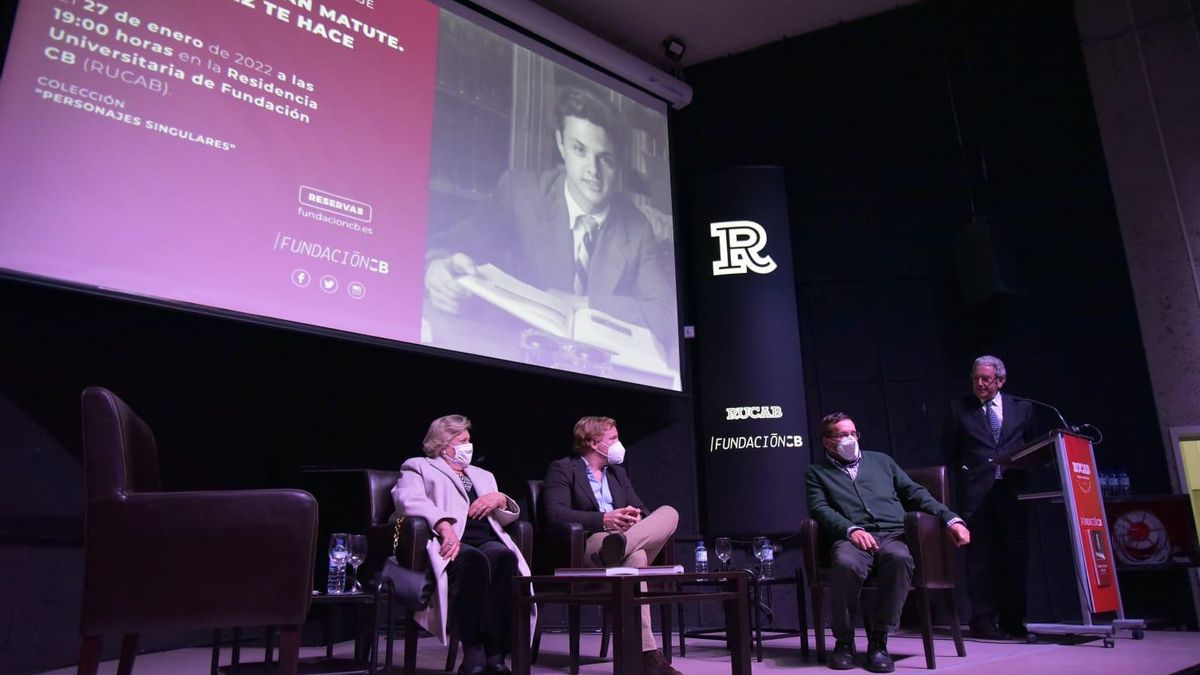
[1092, 528]
[1095, 566]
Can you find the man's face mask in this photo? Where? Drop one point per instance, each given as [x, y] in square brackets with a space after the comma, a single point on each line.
[615, 453]
[846, 449]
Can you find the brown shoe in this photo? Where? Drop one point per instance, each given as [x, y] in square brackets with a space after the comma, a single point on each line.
[654, 663]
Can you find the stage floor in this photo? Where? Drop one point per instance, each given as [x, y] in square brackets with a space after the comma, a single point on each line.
[1161, 653]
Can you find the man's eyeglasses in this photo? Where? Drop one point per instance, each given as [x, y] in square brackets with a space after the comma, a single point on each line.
[984, 380]
[844, 434]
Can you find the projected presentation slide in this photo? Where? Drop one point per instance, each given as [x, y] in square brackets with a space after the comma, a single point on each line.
[389, 168]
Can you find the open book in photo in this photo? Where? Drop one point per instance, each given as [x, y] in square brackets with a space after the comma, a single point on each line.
[651, 571]
[631, 346]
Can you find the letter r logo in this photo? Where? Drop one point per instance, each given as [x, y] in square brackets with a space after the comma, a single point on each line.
[741, 242]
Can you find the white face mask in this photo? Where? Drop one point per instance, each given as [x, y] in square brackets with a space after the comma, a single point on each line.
[847, 449]
[615, 454]
[462, 455]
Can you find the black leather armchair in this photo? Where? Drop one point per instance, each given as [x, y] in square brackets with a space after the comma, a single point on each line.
[379, 512]
[933, 555]
[174, 561]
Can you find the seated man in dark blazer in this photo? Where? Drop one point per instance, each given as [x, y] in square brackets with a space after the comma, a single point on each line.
[859, 499]
[591, 488]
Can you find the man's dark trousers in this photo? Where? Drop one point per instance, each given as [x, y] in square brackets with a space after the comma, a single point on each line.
[893, 565]
[996, 559]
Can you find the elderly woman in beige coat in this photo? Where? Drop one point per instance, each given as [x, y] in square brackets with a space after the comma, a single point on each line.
[471, 556]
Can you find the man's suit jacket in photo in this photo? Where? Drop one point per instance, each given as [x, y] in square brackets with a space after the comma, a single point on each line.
[567, 495]
[524, 230]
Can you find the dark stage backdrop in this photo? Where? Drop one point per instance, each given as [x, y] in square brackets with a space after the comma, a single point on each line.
[749, 377]
[239, 405]
[863, 118]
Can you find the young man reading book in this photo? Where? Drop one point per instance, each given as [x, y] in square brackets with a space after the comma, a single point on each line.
[568, 231]
[593, 489]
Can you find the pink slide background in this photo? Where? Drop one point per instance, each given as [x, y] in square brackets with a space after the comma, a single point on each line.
[101, 202]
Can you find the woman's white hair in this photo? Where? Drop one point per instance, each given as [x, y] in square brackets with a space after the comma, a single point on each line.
[441, 431]
[991, 361]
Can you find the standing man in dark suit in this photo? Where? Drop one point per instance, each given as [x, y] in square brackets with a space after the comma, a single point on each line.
[859, 499]
[981, 427]
[592, 488]
[568, 230]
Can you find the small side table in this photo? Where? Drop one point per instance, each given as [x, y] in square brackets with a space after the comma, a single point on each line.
[755, 588]
[366, 657]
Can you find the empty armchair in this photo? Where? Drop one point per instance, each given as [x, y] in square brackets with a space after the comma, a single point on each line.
[175, 561]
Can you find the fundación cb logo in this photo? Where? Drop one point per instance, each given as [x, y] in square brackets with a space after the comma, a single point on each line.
[741, 242]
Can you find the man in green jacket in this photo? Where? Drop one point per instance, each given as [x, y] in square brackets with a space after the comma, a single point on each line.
[859, 499]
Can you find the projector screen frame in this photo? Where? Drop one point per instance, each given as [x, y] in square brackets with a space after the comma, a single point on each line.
[582, 46]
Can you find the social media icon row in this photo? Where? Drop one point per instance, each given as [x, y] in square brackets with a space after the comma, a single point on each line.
[329, 284]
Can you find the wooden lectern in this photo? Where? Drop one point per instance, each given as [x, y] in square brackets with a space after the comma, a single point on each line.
[1095, 568]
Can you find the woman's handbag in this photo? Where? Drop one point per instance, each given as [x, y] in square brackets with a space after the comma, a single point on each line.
[410, 589]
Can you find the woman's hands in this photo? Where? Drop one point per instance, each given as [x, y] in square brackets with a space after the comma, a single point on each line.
[450, 542]
[479, 509]
[482, 508]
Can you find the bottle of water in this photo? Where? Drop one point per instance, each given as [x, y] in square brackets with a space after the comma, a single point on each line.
[1126, 489]
[1106, 484]
[701, 557]
[338, 555]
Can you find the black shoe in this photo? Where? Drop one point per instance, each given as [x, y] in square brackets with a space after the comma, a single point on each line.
[842, 657]
[989, 632]
[878, 659]
[612, 550]
[497, 669]
[475, 670]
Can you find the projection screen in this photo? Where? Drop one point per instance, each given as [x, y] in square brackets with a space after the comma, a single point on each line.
[393, 169]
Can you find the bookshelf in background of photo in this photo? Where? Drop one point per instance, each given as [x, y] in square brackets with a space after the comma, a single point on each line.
[473, 119]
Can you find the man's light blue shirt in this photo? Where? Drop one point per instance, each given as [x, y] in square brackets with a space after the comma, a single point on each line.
[599, 487]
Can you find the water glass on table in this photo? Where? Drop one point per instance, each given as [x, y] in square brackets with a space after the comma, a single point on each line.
[357, 549]
[765, 552]
[724, 550]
